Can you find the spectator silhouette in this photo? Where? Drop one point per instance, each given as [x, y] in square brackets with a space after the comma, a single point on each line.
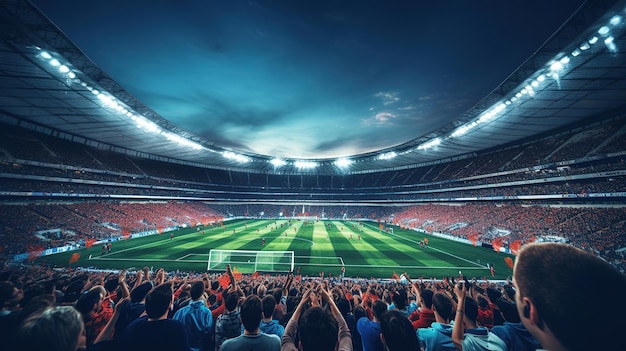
[439, 336]
[252, 338]
[268, 324]
[54, 329]
[370, 329]
[317, 329]
[155, 331]
[397, 333]
[553, 280]
[197, 318]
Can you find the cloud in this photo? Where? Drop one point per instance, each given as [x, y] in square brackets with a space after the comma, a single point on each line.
[388, 98]
[383, 117]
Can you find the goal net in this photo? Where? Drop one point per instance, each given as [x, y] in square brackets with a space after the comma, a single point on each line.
[249, 261]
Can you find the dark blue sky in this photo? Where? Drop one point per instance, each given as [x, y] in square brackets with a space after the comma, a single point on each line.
[309, 79]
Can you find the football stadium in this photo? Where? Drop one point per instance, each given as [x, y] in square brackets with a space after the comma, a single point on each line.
[371, 147]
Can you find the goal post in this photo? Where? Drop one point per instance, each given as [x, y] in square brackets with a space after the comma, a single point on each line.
[250, 261]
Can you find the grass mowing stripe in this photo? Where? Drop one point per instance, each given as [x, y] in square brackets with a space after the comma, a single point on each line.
[270, 232]
[323, 245]
[374, 255]
[342, 246]
[444, 252]
[390, 248]
[429, 254]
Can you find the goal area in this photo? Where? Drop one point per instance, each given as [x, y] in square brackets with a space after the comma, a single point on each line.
[250, 261]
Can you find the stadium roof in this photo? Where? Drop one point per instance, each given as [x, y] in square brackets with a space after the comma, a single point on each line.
[48, 83]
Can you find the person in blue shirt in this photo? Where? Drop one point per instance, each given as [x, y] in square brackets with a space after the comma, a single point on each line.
[197, 318]
[370, 329]
[439, 336]
[269, 325]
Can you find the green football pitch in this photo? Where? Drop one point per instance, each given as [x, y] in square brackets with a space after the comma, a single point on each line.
[323, 246]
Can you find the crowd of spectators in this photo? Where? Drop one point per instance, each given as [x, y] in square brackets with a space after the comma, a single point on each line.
[59, 309]
[83, 221]
[596, 229]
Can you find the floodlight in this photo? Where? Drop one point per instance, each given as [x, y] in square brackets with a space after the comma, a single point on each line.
[46, 55]
[55, 62]
[343, 162]
[556, 66]
[277, 162]
[604, 30]
[305, 164]
[610, 44]
[615, 20]
[71, 75]
[236, 157]
[593, 40]
[564, 60]
[64, 69]
[462, 130]
[387, 155]
[429, 144]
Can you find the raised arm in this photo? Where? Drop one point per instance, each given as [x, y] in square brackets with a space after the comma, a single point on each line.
[458, 332]
[416, 289]
[107, 332]
[160, 277]
[138, 279]
[121, 280]
[345, 338]
[291, 330]
[288, 284]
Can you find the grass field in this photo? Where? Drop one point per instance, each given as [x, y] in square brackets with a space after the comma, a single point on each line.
[323, 246]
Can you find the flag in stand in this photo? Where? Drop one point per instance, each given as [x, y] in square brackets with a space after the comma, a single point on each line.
[224, 280]
[74, 258]
[236, 273]
[34, 251]
[89, 243]
[496, 244]
[255, 275]
[395, 276]
[473, 237]
[509, 262]
[515, 246]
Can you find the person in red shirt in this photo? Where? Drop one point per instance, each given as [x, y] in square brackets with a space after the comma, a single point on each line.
[485, 313]
[424, 317]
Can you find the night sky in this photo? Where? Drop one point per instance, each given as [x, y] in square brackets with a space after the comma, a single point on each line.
[309, 79]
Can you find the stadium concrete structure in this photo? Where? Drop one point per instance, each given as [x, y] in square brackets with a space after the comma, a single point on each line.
[553, 132]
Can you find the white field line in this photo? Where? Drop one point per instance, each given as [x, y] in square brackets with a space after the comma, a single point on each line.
[444, 252]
